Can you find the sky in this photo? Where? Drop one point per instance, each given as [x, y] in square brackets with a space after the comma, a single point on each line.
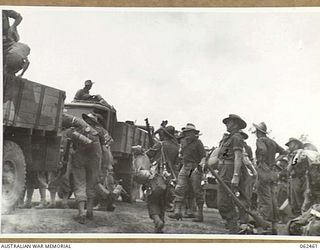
[185, 65]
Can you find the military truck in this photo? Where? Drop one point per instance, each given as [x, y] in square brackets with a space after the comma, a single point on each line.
[32, 115]
[211, 192]
[124, 134]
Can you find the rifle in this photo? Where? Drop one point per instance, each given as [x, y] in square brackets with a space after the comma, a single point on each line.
[168, 163]
[149, 133]
[259, 220]
[65, 158]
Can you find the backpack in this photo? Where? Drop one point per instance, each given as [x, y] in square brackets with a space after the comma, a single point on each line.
[307, 224]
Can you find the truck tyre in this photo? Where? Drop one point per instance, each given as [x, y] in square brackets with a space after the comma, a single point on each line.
[13, 175]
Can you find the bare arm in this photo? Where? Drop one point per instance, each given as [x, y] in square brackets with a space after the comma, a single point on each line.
[24, 67]
[237, 162]
[16, 16]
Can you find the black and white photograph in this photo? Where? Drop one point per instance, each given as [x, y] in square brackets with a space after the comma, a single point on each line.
[161, 121]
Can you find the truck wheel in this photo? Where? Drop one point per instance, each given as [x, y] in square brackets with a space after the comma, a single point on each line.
[13, 175]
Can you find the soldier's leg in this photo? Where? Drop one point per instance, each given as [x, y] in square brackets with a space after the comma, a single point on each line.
[29, 189]
[295, 190]
[92, 167]
[155, 211]
[43, 184]
[198, 193]
[180, 190]
[79, 178]
[245, 188]
[275, 209]
[266, 203]
[227, 209]
[53, 187]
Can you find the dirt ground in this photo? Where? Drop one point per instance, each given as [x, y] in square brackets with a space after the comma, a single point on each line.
[127, 218]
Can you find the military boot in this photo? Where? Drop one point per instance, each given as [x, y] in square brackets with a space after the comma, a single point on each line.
[199, 216]
[90, 204]
[158, 224]
[274, 228]
[177, 211]
[82, 213]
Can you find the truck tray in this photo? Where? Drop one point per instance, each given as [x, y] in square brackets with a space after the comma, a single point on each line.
[126, 135]
[28, 104]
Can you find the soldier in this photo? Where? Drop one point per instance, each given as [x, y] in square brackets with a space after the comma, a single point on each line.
[229, 166]
[266, 150]
[84, 95]
[9, 33]
[310, 157]
[166, 154]
[297, 177]
[249, 176]
[193, 154]
[106, 170]
[86, 161]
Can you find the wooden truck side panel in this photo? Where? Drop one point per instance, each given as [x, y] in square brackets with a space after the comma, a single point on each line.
[32, 115]
[126, 135]
[32, 105]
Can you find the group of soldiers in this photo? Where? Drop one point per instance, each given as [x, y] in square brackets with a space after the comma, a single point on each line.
[275, 176]
[174, 171]
[177, 162]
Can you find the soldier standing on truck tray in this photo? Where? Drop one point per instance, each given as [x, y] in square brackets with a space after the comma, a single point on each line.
[266, 150]
[193, 155]
[84, 95]
[297, 177]
[15, 54]
[9, 33]
[230, 162]
[165, 153]
[86, 161]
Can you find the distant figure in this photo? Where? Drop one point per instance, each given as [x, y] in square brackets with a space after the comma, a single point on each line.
[84, 94]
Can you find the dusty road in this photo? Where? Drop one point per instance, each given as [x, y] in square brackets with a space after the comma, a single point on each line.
[127, 218]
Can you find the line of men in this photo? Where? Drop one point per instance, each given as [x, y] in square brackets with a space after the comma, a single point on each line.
[235, 165]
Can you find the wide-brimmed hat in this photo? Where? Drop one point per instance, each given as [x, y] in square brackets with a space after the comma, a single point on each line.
[244, 135]
[310, 146]
[88, 82]
[91, 117]
[241, 122]
[168, 130]
[262, 127]
[189, 127]
[292, 139]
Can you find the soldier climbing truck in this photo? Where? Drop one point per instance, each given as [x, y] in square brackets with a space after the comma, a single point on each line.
[124, 134]
[32, 115]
